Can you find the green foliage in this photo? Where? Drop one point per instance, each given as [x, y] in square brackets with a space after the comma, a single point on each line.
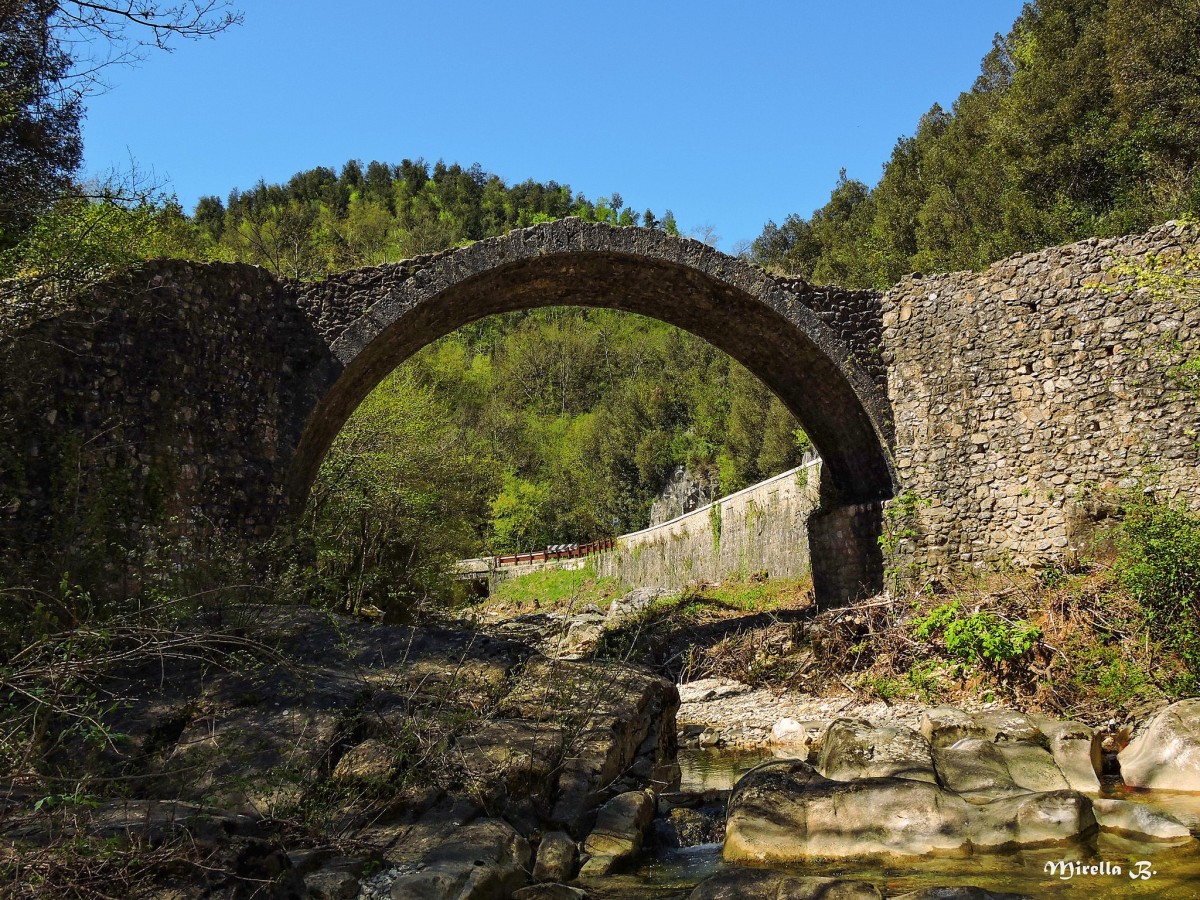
[978, 637]
[1083, 122]
[399, 497]
[901, 527]
[587, 413]
[1158, 562]
[83, 239]
[322, 221]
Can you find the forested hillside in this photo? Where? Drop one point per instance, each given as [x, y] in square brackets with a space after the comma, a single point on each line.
[561, 425]
[1084, 121]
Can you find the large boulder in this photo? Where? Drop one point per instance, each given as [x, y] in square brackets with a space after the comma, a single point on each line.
[1166, 754]
[973, 766]
[786, 812]
[853, 749]
[1139, 821]
[620, 830]
[783, 812]
[632, 605]
[556, 856]
[1028, 819]
[485, 860]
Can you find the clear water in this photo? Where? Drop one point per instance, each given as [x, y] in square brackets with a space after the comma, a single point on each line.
[1176, 870]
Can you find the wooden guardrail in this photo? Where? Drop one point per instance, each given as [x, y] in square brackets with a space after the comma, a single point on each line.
[556, 551]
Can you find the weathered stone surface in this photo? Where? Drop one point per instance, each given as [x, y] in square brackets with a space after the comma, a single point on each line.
[1165, 755]
[854, 749]
[332, 884]
[689, 827]
[556, 856]
[973, 766]
[1041, 818]
[945, 725]
[1022, 391]
[1138, 820]
[1076, 751]
[1032, 767]
[372, 760]
[1007, 725]
[764, 884]
[622, 726]
[632, 604]
[785, 812]
[619, 832]
[805, 737]
[762, 528]
[485, 860]
[550, 892]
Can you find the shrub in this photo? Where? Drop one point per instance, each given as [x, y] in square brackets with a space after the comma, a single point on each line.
[980, 637]
[1158, 562]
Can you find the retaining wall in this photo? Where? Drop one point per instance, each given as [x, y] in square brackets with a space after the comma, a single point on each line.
[762, 528]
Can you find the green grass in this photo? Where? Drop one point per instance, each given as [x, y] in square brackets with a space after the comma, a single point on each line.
[758, 596]
[556, 588]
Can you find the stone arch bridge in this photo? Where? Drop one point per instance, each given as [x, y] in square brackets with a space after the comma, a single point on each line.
[204, 396]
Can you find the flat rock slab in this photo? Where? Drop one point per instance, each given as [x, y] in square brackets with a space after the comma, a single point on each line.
[1140, 821]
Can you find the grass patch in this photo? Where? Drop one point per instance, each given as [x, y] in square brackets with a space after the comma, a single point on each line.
[555, 589]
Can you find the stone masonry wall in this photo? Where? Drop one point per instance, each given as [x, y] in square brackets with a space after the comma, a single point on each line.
[856, 317]
[1026, 394]
[170, 398]
[762, 528]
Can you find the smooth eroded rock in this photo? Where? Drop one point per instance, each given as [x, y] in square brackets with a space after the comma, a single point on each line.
[786, 811]
[1138, 820]
[1076, 751]
[853, 749]
[1026, 819]
[1166, 754]
[806, 737]
[943, 726]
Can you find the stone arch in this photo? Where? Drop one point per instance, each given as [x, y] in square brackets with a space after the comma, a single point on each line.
[204, 396]
[374, 319]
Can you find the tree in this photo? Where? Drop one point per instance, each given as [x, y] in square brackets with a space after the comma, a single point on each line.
[39, 124]
[53, 53]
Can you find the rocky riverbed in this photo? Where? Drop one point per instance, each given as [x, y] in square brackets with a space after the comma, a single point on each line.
[342, 759]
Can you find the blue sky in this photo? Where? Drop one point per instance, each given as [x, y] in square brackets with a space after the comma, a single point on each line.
[727, 114]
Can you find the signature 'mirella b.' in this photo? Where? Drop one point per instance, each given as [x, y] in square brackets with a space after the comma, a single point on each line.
[1067, 869]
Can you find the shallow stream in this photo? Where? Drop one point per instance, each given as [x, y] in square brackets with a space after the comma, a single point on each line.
[1173, 872]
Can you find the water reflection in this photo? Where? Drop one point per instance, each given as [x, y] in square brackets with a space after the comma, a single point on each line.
[1176, 870]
